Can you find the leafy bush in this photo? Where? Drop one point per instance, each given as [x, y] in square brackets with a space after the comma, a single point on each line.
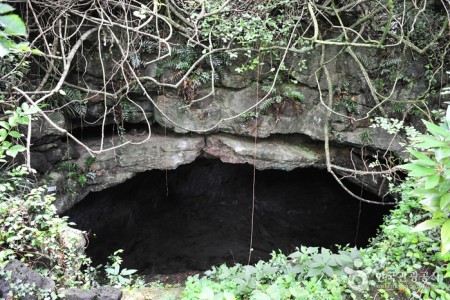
[9, 134]
[305, 274]
[31, 230]
[12, 26]
[404, 262]
[429, 178]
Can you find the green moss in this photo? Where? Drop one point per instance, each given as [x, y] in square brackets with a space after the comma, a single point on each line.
[305, 152]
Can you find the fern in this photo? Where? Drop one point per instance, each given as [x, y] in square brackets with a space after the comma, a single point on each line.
[263, 106]
[268, 88]
[364, 61]
[89, 162]
[149, 46]
[388, 65]
[200, 78]
[79, 104]
[128, 109]
[385, 71]
[391, 62]
[91, 175]
[135, 60]
[181, 59]
[398, 108]
[69, 166]
[182, 65]
[70, 101]
[74, 171]
[159, 72]
[220, 63]
[79, 109]
[292, 94]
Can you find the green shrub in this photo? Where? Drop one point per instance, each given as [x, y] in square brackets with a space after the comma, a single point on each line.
[429, 178]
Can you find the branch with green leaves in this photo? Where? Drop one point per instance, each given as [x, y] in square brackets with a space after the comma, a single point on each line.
[429, 178]
[11, 27]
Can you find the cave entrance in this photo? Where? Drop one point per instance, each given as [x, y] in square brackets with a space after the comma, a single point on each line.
[199, 215]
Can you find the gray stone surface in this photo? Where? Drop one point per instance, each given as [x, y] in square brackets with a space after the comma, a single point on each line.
[74, 238]
[284, 152]
[133, 112]
[115, 166]
[154, 292]
[290, 152]
[108, 293]
[78, 294]
[20, 273]
[379, 138]
[159, 152]
[101, 293]
[221, 113]
[43, 132]
[202, 117]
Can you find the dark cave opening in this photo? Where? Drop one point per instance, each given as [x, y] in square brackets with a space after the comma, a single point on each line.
[199, 215]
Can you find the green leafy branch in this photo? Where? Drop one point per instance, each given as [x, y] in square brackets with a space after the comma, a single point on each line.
[120, 277]
[11, 26]
[429, 178]
[9, 131]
